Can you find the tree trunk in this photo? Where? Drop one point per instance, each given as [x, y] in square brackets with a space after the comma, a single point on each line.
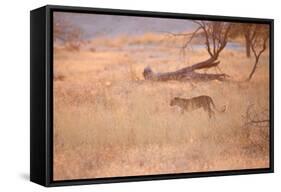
[253, 70]
[248, 45]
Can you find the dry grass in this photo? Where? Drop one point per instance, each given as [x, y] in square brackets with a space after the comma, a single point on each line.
[109, 122]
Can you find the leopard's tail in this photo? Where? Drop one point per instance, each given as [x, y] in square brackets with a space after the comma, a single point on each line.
[218, 110]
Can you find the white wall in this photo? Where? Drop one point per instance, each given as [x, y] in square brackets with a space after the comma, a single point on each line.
[14, 94]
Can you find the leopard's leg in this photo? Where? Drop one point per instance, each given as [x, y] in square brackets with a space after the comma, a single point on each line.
[182, 110]
[211, 113]
[207, 109]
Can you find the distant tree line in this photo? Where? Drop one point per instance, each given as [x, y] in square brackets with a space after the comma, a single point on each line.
[216, 35]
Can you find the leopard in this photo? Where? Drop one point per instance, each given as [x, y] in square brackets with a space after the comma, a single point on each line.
[190, 104]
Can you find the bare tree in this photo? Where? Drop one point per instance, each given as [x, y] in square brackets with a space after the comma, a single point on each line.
[243, 30]
[246, 28]
[259, 35]
[254, 118]
[216, 37]
[66, 33]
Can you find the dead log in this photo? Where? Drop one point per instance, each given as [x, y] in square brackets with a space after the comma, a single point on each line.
[211, 62]
[187, 73]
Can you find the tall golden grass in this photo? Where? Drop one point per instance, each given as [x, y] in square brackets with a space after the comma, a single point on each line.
[109, 122]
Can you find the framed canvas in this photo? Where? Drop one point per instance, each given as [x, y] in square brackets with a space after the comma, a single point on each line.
[122, 95]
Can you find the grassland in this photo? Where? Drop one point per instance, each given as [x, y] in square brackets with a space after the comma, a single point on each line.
[108, 121]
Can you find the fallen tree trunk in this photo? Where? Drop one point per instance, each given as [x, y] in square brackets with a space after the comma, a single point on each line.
[187, 73]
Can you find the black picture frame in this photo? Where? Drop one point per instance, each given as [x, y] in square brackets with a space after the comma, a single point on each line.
[41, 91]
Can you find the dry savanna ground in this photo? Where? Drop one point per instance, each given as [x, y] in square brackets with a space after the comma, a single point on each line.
[109, 122]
